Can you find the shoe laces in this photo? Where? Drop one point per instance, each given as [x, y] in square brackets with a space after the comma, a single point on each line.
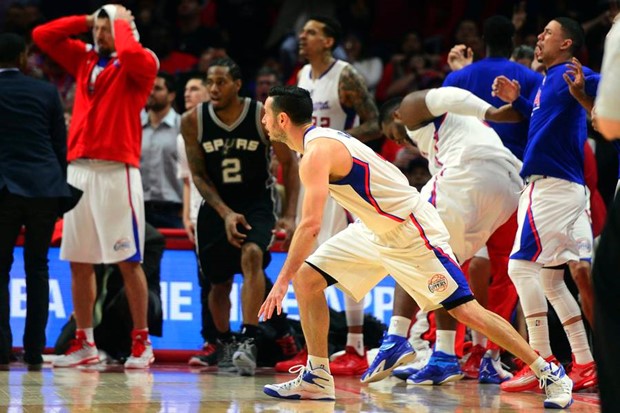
[553, 383]
[298, 369]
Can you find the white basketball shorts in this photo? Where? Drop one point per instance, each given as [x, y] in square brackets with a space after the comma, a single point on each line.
[473, 200]
[107, 225]
[416, 254]
[548, 210]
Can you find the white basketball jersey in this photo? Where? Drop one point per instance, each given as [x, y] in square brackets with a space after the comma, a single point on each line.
[327, 111]
[453, 139]
[375, 190]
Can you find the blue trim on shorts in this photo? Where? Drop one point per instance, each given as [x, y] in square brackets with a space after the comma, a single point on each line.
[462, 291]
[137, 257]
[530, 245]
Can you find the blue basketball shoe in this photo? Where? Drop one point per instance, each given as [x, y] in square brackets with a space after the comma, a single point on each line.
[394, 351]
[441, 368]
[491, 371]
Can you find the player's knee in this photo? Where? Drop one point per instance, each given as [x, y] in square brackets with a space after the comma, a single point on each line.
[251, 253]
[308, 280]
[219, 289]
[580, 270]
[523, 273]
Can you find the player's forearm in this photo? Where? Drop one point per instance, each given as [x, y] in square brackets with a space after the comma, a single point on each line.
[210, 195]
[503, 115]
[367, 131]
[302, 245]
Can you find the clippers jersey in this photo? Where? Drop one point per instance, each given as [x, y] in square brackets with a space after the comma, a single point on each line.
[451, 140]
[237, 156]
[326, 109]
[374, 190]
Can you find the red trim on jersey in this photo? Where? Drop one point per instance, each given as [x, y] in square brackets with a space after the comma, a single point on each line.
[428, 243]
[371, 199]
[530, 216]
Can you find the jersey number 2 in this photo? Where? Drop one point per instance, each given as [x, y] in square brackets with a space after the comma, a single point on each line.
[231, 171]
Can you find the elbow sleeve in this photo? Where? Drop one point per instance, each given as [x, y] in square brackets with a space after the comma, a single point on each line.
[455, 100]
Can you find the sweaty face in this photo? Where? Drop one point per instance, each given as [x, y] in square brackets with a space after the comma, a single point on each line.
[312, 39]
[276, 134]
[221, 87]
[195, 92]
[102, 35]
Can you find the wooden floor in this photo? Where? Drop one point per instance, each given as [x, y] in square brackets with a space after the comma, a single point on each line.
[178, 389]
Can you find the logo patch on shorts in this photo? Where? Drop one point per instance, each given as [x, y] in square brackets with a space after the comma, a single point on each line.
[584, 246]
[438, 283]
[122, 244]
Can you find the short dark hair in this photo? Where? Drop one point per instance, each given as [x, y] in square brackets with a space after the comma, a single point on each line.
[168, 81]
[233, 67]
[388, 108]
[572, 30]
[197, 75]
[267, 71]
[497, 33]
[332, 28]
[103, 14]
[11, 47]
[294, 101]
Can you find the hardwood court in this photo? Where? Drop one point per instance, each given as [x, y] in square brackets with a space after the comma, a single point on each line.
[178, 389]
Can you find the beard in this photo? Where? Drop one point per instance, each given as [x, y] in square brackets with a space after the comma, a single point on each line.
[155, 106]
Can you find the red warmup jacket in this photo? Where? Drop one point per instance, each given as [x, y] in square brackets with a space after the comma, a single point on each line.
[106, 119]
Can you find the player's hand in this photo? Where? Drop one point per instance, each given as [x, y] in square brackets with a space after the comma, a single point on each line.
[575, 79]
[123, 13]
[189, 230]
[460, 56]
[231, 223]
[506, 89]
[274, 299]
[286, 227]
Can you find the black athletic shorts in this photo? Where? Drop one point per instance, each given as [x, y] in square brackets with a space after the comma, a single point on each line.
[221, 260]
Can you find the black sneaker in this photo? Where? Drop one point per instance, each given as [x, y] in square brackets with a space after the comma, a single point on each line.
[207, 357]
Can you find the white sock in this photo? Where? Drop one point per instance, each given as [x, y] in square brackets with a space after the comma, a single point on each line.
[90, 335]
[539, 365]
[478, 339]
[356, 341]
[538, 331]
[318, 362]
[354, 311]
[445, 341]
[578, 340]
[399, 326]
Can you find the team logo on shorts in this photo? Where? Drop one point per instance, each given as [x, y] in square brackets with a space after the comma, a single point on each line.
[122, 244]
[584, 246]
[438, 283]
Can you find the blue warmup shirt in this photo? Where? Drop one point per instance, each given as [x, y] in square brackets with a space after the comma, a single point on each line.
[478, 79]
[558, 128]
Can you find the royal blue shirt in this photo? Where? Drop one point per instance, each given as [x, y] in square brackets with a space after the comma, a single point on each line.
[558, 128]
[478, 79]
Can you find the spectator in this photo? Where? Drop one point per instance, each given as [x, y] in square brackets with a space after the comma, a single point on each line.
[114, 79]
[266, 78]
[163, 190]
[370, 67]
[33, 178]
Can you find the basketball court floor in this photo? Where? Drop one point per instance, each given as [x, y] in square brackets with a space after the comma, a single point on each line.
[176, 388]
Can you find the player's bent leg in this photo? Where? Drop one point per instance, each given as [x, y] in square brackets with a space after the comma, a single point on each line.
[313, 382]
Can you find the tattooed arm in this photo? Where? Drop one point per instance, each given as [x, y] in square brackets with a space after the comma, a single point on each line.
[354, 94]
[197, 165]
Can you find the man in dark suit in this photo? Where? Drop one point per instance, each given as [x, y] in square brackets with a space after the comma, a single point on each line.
[33, 180]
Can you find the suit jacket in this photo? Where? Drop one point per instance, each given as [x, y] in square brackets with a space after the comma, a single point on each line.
[33, 138]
